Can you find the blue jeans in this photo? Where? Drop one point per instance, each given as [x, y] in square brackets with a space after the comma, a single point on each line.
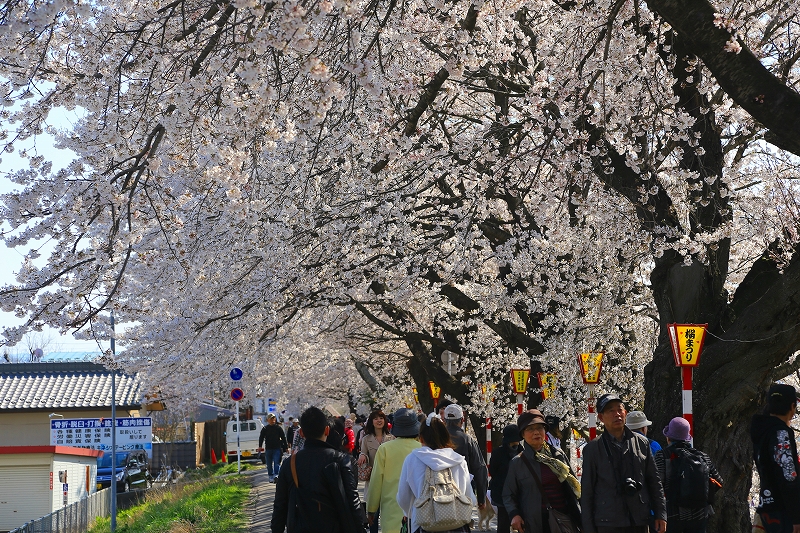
[273, 460]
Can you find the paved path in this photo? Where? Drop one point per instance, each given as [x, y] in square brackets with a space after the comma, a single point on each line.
[259, 507]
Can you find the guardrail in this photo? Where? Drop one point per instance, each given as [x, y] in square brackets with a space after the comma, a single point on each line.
[74, 518]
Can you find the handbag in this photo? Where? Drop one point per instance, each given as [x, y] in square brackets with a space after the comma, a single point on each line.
[559, 522]
[364, 472]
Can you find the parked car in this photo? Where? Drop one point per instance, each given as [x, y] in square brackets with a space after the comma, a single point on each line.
[247, 434]
[133, 471]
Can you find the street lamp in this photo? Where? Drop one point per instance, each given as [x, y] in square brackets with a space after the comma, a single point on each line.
[54, 415]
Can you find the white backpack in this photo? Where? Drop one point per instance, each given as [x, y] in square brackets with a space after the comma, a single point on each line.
[441, 506]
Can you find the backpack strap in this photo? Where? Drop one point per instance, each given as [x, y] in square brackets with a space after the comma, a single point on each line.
[293, 463]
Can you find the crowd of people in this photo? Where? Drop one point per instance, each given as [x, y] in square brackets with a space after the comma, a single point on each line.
[424, 473]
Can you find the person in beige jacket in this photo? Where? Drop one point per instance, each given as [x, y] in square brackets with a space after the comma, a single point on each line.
[375, 434]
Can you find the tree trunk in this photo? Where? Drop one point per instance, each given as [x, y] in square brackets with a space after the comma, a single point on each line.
[747, 341]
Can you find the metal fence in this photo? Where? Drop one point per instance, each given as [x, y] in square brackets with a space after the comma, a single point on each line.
[75, 518]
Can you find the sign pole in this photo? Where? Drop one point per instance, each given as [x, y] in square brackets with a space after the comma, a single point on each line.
[591, 365]
[488, 440]
[686, 380]
[519, 380]
[237, 394]
[238, 444]
[592, 415]
[687, 341]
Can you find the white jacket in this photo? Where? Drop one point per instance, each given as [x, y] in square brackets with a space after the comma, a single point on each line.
[412, 477]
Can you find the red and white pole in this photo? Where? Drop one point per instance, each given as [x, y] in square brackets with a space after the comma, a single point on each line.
[488, 439]
[592, 416]
[686, 374]
[520, 401]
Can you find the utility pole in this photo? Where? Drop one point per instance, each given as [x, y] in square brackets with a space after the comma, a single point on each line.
[113, 429]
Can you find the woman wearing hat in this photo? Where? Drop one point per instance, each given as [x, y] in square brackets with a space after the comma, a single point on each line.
[498, 466]
[385, 478]
[538, 479]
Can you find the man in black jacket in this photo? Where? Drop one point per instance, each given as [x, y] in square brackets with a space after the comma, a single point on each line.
[317, 489]
[775, 454]
[273, 441]
[468, 447]
[498, 466]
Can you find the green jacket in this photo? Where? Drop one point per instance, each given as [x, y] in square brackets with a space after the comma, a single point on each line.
[385, 481]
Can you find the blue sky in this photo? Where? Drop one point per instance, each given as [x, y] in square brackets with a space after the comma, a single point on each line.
[11, 259]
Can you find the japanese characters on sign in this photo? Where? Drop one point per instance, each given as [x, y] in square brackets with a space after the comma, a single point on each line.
[519, 380]
[687, 342]
[436, 391]
[548, 384]
[591, 366]
[95, 433]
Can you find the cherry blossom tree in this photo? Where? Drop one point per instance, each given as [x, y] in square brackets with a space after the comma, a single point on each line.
[358, 186]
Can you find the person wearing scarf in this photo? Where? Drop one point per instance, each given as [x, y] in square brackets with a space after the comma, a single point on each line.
[521, 495]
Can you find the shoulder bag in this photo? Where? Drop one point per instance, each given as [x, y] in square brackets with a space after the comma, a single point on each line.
[559, 522]
[365, 470]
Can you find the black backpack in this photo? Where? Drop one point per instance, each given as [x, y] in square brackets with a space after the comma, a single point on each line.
[689, 477]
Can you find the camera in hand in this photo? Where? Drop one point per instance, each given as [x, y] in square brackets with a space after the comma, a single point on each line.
[630, 486]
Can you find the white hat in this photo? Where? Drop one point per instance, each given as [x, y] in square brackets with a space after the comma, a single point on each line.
[637, 420]
[453, 412]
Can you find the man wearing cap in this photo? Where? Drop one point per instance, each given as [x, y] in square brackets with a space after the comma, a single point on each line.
[620, 483]
[553, 430]
[681, 517]
[637, 422]
[775, 454]
[273, 441]
[468, 447]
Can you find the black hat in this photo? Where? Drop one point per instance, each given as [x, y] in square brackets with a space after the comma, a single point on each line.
[444, 403]
[405, 423]
[552, 421]
[781, 395]
[510, 434]
[528, 418]
[604, 400]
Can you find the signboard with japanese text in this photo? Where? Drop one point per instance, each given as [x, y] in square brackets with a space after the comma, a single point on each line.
[687, 342]
[95, 433]
[519, 380]
[548, 384]
[591, 366]
[436, 391]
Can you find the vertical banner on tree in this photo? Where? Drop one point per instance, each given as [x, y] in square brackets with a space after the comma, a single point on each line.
[591, 366]
[687, 342]
[519, 380]
[548, 384]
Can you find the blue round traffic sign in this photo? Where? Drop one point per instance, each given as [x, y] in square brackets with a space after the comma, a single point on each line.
[237, 394]
[236, 373]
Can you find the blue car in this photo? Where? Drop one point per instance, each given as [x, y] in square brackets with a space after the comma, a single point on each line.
[133, 471]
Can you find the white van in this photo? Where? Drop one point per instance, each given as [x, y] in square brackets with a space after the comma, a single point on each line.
[248, 432]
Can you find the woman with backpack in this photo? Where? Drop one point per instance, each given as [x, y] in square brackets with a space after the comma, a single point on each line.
[540, 486]
[425, 468]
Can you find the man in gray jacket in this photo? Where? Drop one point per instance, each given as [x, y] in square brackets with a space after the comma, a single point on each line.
[620, 482]
[468, 447]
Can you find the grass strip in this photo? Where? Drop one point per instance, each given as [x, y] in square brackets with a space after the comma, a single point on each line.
[214, 506]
